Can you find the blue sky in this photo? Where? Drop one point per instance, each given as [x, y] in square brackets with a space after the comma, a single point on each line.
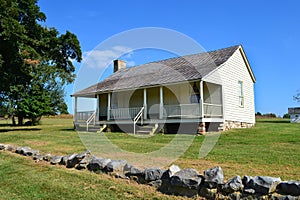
[268, 30]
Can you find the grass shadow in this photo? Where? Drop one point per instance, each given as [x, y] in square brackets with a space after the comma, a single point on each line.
[67, 129]
[19, 129]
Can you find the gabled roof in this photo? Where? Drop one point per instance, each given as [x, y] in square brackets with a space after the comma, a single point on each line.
[173, 70]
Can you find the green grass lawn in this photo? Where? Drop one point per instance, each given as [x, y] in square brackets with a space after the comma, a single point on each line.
[269, 148]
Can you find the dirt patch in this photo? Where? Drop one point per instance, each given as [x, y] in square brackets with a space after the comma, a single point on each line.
[36, 143]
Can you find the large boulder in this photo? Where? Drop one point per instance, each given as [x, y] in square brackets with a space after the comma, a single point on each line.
[166, 178]
[84, 162]
[75, 159]
[65, 159]
[153, 174]
[261, 184]
[97, 164]
[47, 157]
[185, 182]
[187, 178]
[289, 188]
[214, 176]
[26, 151]
[55, 160]
[116, 166]
[134, 173]
[233, 185]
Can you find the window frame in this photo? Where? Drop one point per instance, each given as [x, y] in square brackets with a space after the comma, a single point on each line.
[241, 94]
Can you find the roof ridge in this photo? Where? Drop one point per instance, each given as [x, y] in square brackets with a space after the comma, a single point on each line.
[188, 55]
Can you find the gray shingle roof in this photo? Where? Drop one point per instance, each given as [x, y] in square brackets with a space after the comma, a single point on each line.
[179, 69]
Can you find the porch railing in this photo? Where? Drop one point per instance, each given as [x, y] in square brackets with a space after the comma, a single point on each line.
[90, 119]
[84, 115]
[193, 110]
[213, 110]
[124, 113]
[137, 118]
[182, 111]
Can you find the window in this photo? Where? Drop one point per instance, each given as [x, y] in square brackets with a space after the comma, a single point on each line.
[195, 98]
[195, 94]
[241, 94]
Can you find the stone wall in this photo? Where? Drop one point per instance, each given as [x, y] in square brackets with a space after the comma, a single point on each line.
[183, 182]
[234, 124]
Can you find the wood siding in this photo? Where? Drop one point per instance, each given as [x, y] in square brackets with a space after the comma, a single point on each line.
[228, 75]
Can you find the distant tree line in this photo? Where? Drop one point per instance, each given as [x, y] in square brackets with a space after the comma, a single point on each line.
[35, 62]
[270, 115]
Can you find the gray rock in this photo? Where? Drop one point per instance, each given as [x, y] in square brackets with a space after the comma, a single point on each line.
[116, 166]
[18, 150]
[2, 146]
[261, 184]
[284, 197]
[25, 150]
[173, 169]
[83, 155]
[73, 160]
[153, 174]
[249, 191]
[155, 184]
[10, 148]
[214, 176]
[130, 170]
[97, 164]
[84, 162]
[31, 153]
[289, 188]
[66, 158]
[233, 185]
[134, 173]
[37, 157]
[55, 160]
[187, 178]
[47, 157]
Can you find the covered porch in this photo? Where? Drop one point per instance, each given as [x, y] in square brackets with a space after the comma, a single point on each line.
[196, 101]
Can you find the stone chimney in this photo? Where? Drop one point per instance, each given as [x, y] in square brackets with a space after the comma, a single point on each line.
[119, 64]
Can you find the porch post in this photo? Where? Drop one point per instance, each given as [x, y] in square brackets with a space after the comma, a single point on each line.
[161, 102]
[145, 103]
[75, 109]
[201, 100]
[108, 106]
[98, 107]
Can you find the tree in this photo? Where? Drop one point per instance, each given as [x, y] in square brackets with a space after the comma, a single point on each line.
[35, 61]
[286, 116]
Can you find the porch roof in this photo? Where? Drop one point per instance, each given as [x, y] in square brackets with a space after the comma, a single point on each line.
[173, 70]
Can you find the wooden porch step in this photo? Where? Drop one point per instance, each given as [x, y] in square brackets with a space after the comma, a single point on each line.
[143, 132]
[147, 129]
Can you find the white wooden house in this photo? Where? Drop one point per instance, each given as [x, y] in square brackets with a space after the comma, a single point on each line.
[294, 114]
[206, 91]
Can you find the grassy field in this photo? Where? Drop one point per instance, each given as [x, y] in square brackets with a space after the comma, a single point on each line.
[270, 148]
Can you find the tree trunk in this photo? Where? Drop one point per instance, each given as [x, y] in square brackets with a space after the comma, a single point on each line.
[20, 120]
[13, 120]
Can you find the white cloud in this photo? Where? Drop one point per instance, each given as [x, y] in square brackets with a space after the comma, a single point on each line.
[103, 58]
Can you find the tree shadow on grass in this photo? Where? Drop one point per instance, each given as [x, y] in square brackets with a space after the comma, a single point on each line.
[17, 128]
[67, 129]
